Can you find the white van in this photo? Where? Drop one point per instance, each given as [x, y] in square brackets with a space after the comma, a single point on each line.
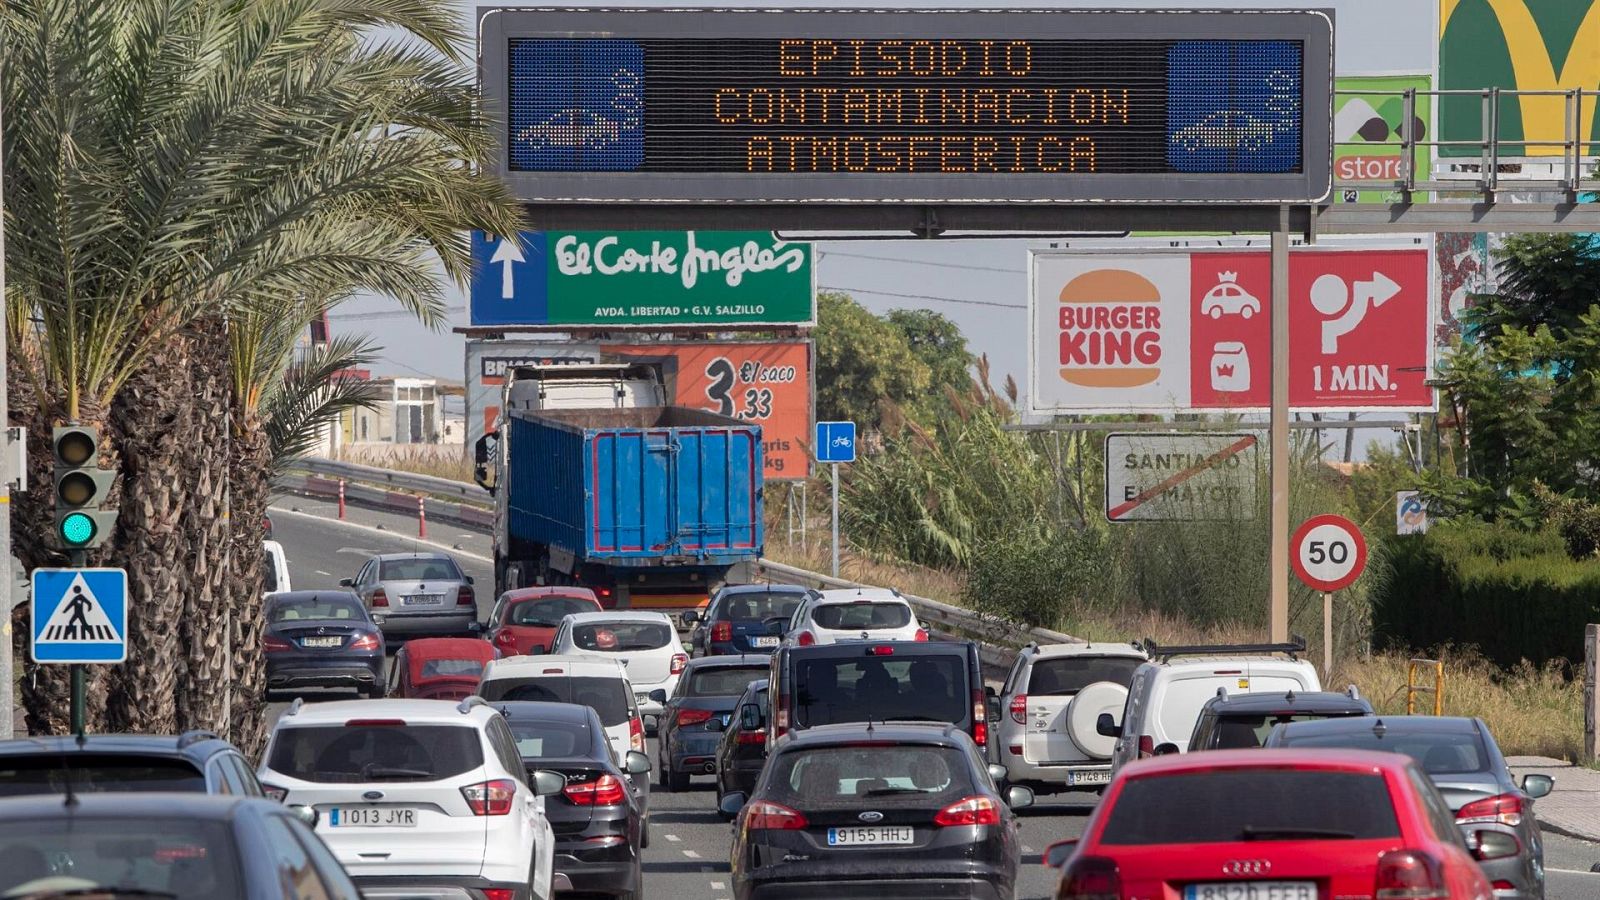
[1166, 694]
[275, 574]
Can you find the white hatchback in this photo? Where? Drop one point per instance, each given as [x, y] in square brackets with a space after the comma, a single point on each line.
[854, 614]
[418, 797]
[645, 643]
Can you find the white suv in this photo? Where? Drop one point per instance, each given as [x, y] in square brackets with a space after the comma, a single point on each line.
[414, 797]
[1167, 693]
[854, 614]
[646, 643]
[1049, 711]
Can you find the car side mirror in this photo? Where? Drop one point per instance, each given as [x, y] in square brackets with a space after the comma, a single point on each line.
[1536, 785]
[715, 723]
[307, 815]
[547, 783]
[689, 617]
[728, 808]
[1019, 797]
[778, 625]
[1106, 726]
[469, 579]
[749, 717]
[637, 763]
[997, 774]
[1166, 749]
[347, 582]
[659, 695]
[475, 627]
[1057, 854]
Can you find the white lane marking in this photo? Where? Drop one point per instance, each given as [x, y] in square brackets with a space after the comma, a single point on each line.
[389, 535]
[691, 854]
[1027, 849]
[355, 551]
[718, 886]
[320, 572]
[1569, 871]
[674, 838]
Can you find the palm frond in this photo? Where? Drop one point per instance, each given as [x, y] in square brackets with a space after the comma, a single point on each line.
[312, 394]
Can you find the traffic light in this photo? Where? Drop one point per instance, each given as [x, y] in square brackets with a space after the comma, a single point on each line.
[82, 488]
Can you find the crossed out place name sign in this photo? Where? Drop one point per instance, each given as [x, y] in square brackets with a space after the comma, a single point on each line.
[80, 615]
[836, 442]
[1328, 552]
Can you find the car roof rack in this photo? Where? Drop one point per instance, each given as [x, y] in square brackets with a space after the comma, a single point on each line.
[473, 701]
[295, 707]
[1352, 692]
[1293, 648]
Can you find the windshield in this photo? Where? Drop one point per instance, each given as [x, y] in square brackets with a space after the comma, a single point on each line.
[928, 688]
[723, 681]
[187, 859]
[1439, 753]
[608, 697]
[94, 773]
[852, 616]
[623, 637]
[1066, 676]
[883, 773]
[549, 611]
[353, 754]
[319, 607]
[1236, 731]
[759, 606]
[549, 739]
[424, 569]
[1251, 804]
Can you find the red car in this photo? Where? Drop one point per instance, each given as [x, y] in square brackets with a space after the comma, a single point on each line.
[439, 668]
[1271, 825]
[526, 618]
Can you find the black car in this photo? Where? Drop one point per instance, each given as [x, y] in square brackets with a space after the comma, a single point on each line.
[876, 810]
[870, 681]
[194, 762]
[184, 847]
[1243, 721]
[599, 819]
[743, 618]
[696, 714]
[322, 639]
[743, 750]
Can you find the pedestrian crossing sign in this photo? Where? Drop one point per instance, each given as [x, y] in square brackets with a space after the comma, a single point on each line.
[80, 615]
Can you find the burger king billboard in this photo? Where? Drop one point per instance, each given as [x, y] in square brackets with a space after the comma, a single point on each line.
[1190, 331]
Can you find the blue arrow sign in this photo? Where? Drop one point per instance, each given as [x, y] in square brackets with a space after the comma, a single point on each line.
[508, 279]
[836, 442]
[80, 615]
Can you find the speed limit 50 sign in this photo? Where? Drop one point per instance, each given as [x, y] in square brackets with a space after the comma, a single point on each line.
[1328, 552]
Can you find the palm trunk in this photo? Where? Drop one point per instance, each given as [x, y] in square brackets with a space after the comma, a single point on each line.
[203, 630]
[248, 466]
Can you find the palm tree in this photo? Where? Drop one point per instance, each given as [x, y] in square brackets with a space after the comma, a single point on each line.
[172, 168]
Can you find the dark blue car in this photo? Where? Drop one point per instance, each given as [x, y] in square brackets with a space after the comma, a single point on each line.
[697, 713]
[744, 618]
[322, 639]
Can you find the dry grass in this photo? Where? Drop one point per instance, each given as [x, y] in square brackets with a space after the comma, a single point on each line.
[440, 462]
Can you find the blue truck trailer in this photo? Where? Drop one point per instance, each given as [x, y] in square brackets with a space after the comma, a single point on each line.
[649, 506]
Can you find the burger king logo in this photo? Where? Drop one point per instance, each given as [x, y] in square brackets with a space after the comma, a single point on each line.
[1110, 322]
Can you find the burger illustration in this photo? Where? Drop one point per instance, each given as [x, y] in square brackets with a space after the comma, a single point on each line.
[1110, 322]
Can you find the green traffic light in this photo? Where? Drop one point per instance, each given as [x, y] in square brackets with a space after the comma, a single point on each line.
[77, 529]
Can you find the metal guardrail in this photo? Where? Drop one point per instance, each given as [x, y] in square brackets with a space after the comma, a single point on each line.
[388, 489]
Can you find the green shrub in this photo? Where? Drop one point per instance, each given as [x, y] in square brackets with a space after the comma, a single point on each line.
[1513, 594]
[1034, 581]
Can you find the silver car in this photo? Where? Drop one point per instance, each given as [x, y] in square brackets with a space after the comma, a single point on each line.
[416, 594]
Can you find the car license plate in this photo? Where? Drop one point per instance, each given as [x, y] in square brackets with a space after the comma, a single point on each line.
[424, 599]
[372, 817]
[1093, 776]
[866, 837]
[321, 642]
[764, 642]
[1252, 890]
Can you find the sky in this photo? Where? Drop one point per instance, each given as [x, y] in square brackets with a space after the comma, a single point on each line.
[981, 285]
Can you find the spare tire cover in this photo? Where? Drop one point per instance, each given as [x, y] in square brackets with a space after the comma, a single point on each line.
[1084, 713]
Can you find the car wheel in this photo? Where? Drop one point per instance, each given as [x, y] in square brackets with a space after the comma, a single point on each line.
[678, 781]
[644, 834]
[377, 691]
[664, 770]
[638, 885]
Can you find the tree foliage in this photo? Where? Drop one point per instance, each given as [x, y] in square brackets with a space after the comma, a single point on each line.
[1545, 279]
[862, 361]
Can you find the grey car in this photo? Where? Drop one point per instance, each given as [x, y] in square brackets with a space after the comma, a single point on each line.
[416, 594]
[1494, 813]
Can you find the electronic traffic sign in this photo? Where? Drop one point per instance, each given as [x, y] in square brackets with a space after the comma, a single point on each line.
[911, 106]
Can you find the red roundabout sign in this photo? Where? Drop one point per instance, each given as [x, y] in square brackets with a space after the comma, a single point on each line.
[1328, 552]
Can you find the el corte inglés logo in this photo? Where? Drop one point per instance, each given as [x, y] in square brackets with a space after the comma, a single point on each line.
[1110, 322]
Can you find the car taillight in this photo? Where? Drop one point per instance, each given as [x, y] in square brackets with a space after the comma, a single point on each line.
[969, 811]
[692, 716]
[922, 634]
[365, 642]
[1091, 878]
[636, 734]
[880, 650]
[774, 816]
[678, 662]
[806, 639]
[273, 644]
[499, 894]
[504, 638]
[379, 598]
[1019, 709]
[604, 791]
[1409, 875]
[464, 597]
[1506, 809]
[491, 798]
[752, 737]
[274, 792]
[980, 719]
[1147, 746]
[722, 631]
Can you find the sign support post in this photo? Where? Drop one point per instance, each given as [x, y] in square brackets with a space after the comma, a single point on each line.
[835, 544]
[835, 443]
[78, 559]
[1327, 635]
[1278, 455]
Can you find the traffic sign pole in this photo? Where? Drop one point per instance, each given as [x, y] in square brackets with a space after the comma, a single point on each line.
[79, 559]
[835, 442]
[1327, 635]
[835, 467]
[1278, 455]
